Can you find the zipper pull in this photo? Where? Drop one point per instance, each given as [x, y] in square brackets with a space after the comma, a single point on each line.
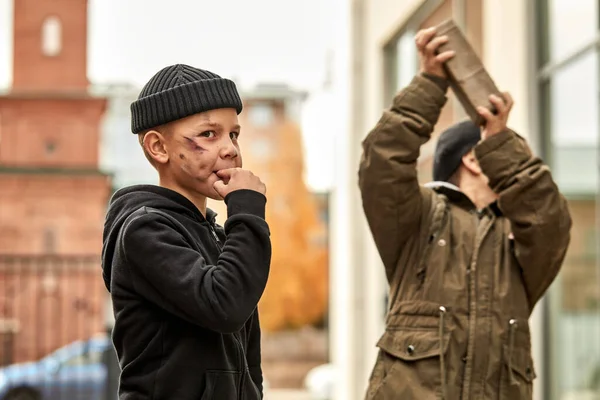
[215, 235]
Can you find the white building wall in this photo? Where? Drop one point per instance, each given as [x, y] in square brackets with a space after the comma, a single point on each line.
[358, 285]
[342, 213]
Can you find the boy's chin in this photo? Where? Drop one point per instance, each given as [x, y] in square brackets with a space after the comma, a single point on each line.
[215, 196]
[209, 190]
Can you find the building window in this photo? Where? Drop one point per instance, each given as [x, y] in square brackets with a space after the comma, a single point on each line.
[51, 37]
[261, 114]
[568, 78]
[405, 63]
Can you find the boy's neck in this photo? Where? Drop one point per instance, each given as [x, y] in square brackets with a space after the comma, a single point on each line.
[198, 200]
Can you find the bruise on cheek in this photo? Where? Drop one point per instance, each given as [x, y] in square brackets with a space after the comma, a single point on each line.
[193, 145]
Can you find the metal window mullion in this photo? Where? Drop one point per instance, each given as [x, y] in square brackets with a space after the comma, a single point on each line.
[550, 68]
[597, 211]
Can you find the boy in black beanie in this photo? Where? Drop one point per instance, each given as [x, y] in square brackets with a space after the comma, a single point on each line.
[185, 290]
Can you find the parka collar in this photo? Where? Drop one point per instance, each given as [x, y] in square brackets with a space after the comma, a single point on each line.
[457, 197]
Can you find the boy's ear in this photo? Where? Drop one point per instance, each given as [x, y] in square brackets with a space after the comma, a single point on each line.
[470, 163]
[155, 145]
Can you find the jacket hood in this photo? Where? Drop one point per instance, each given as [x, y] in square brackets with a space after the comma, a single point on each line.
[452, 192]
[127, 200]
[458, 197]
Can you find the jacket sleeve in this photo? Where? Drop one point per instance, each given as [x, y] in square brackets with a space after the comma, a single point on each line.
[529, 198]
[167, 271]
[254, 354]
[392, 199]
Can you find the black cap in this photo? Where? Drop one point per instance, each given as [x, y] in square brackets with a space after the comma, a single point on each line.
[178, 91]
[452, 145]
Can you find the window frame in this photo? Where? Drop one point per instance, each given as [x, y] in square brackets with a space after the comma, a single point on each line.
[542, 70]
[390, 49]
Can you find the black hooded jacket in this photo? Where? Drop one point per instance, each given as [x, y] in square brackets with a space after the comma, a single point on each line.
[185, 294]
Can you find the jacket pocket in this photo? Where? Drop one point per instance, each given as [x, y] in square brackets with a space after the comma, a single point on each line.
[518, 372]
[410, 364]
[222, 385]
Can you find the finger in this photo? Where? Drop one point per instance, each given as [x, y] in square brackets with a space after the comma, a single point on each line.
[225, 173]
[498, 103]
[424, 36]
[445, 56]
[485, 113]
[436, 42]
[509, 100]
[428, 34]
[418, 38]
[220, 187]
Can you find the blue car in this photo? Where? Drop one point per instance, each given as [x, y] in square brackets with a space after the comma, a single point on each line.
[74, 372]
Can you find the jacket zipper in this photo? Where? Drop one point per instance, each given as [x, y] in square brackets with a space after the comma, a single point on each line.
[472, 312]
[215, 237]
[238, 342]
[481, 233]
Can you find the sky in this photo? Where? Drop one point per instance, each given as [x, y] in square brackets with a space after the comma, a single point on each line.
[253, 41]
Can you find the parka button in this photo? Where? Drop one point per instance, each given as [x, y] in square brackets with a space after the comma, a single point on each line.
[442, 242]
[411, 349]
[464, 359]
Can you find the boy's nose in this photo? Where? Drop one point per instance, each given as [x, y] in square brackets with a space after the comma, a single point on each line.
[229, 150]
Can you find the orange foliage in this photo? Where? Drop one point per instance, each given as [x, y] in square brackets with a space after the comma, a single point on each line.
[297, 291]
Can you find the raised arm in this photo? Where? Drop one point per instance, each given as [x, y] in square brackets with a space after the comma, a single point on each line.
[169, 272]
[529, 198]
[392, 199]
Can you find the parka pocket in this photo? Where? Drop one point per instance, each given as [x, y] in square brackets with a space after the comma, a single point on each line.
[518, 372]
[410, 364]
[414, 344]
[222, 385]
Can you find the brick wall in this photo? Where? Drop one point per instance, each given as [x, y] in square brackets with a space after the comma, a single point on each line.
[52, 196]
[32, 69]
[50, 132]
[71, 208]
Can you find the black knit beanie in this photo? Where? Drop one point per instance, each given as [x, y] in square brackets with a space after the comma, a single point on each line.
[453, 144]
[178, 91]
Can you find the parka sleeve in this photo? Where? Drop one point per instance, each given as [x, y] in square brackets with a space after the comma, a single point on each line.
[530, 199]
[392, 199]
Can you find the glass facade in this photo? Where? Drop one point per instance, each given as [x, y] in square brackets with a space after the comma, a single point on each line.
[568, 73]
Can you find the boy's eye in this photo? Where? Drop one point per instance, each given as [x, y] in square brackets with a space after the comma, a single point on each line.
[208, 134]
[234, 135]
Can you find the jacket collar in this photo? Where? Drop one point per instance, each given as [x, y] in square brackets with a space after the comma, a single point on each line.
[457, 197]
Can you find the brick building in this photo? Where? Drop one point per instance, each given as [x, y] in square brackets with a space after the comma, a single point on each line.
[52, 194]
